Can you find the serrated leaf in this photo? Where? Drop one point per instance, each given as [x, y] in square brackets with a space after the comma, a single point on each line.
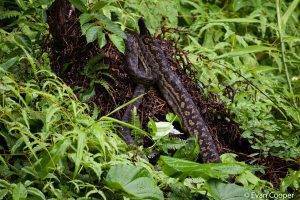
[247, 50]
[48, 162]
[91, 34]
[101, 39]
[292, 180]
[81, 143]
[4, 183]
[9, 63]
[6, 14]
[84, 18]
[22, 4]
[19, 192]
[86, 27]
[110, 26]
[118, 42]
[87, 95]
[3, 193]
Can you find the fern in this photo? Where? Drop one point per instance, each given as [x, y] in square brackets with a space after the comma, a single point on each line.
[135, 121]
[9, 14]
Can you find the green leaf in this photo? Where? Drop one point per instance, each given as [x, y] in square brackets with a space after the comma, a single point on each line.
[118, 42]
[143, 188]
[79, 4]
[238, 4]
[247, 50]
[9, 63]
[110, 26]
[22, 4]
[36, 192]
[4, 183]
[247, 178]
[171, 117]
[133, 180]
[179, 167]
[237, 20]
[289, 12]
[81, 143]
[292, 180]
[161, 129]
[84, 18]
[91, 34]
[6, 14]
[48, 162]
[119, 175]
[223, 191]
[3, 193]
[101, 39]
[88, 94]
[19, 192]
[189, 151]
[86, 27]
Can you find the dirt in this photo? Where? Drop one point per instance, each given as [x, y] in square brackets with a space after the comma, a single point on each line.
[70, 53]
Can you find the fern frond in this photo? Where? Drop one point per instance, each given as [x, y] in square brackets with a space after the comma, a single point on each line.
[135, 120]
[9, 14]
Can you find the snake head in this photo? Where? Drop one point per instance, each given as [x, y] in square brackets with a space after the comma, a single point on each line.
[137, 62]
[143, 28]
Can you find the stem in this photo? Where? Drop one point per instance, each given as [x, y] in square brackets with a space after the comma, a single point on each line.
[283, 51]
[105, 118]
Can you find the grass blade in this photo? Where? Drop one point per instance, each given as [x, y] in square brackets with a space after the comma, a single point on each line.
[249, 49]
[288, 13]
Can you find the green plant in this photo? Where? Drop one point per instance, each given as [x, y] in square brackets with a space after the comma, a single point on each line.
[248, 46]
[55, 146]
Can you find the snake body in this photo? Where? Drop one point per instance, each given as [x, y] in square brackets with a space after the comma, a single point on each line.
[148, 64]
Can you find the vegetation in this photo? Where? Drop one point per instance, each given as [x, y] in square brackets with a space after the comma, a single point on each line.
[55, 146]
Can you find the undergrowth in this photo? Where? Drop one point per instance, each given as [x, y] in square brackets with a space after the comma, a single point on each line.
[54, 146]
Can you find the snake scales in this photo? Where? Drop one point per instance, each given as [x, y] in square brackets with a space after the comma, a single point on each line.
[147, 64]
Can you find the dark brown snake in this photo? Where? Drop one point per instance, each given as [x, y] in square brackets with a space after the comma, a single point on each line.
[147, 64]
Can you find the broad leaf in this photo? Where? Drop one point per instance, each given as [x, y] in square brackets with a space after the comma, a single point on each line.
[179, 167]
[91, 34]
[160, 129]
[118, 42]
[136, 182]
[36, 193]
[19, 192]
[223, 191]
[84, 18]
